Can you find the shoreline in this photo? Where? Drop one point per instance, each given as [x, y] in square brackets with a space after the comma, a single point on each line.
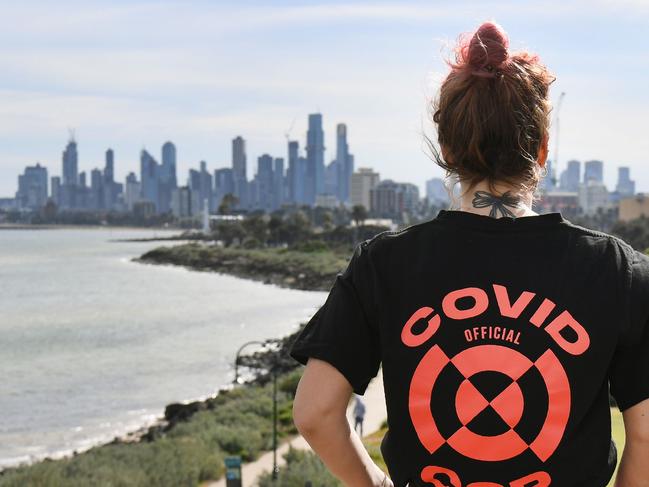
[87, 444]
[304, 271]
[52, 226]
[178, 411]
[169, 415]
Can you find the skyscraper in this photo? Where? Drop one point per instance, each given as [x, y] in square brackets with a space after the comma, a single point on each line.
[594, 170]
[149, 177]
[331, 179]
[292, 171]
[55, 185]
[345, 164]
[110, 188]
[301, 178]
[264, 184]
[69, 187]
[169, 161]
[96, 189]
[32, 187]
[133, 192]
[278, 183]
[223, 184]
[436, 192]
[194, 181]
[71, 164]
[168, 177]
[206, 188]
[109, 168]
[569, 180]
[315, 177]
[625, 185]
[184, 202]
[239, 171]
[81, 196]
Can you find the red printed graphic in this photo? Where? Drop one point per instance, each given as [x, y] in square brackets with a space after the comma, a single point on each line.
[509, 404]
[542, 479]
[509, 401]
[429, 474]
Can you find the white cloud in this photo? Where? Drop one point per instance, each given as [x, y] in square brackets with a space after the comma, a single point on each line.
[133, 73]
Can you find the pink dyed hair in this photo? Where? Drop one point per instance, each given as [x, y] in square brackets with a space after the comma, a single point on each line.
[492, 112]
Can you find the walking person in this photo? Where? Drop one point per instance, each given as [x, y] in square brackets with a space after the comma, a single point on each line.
[359, 415]
[498, 330]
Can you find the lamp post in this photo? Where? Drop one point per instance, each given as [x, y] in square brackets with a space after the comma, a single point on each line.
[237, 358]
[273, 370]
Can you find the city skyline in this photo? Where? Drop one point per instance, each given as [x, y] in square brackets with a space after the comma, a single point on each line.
[205, 72]
[241, 164]
[306, 181]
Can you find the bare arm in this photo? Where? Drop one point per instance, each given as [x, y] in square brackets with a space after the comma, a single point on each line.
[319, 413]
[634, 466]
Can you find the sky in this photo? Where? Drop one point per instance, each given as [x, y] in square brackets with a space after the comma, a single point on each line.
[134, 74]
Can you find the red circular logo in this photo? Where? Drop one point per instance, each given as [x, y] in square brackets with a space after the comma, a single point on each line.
[509, 404]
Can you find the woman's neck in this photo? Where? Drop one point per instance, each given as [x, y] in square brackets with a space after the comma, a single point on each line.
[501, 201]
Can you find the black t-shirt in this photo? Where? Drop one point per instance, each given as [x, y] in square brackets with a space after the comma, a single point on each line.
[498, 338]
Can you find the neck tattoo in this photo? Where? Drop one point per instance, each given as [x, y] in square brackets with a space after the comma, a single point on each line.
[483, 199]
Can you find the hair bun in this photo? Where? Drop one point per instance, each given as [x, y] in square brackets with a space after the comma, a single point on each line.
[488, 48]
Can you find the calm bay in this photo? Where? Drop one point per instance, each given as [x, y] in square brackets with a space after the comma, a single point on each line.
[93, 345]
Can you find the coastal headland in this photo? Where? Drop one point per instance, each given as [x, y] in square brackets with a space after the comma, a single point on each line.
[295, 269]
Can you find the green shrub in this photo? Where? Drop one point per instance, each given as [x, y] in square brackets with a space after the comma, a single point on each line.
[301, 466]
[313, 245]
[235, 422]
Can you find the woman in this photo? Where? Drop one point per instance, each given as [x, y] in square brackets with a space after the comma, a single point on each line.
[498, 330]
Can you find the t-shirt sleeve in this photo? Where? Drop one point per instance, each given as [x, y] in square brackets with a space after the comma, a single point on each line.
[344, 330]
[629, 374]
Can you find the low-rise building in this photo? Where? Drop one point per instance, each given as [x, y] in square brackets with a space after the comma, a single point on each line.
[634, 207]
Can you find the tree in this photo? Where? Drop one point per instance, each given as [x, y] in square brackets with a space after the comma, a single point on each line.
[255, 226]
[296, 228]
[327, 220]
[359, 214]
[274, 228]
[228, 231]
[228, 202]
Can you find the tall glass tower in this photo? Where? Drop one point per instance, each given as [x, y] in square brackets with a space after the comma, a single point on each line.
[315, 181]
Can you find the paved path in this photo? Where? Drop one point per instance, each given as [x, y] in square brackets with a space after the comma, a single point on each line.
[375, 415]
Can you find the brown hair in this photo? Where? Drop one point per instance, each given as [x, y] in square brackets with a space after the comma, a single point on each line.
[492, 112]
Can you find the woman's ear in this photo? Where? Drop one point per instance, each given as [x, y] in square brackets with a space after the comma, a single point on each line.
[543, 150]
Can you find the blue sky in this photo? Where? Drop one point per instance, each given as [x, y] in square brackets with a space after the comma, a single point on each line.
[133, 74]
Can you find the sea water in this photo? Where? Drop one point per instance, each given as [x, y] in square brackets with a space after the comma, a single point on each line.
[93, 345]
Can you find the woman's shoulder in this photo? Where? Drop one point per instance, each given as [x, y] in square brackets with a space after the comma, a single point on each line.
[391, 238]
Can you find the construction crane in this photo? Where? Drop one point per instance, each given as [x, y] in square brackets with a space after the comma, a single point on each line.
[555, 163]
[287, 134]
